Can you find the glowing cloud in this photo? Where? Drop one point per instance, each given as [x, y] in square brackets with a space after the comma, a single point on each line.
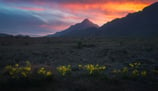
[56, 15]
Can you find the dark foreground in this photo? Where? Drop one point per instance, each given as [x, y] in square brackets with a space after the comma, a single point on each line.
[114, 53]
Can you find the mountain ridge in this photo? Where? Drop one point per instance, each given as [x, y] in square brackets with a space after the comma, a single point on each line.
[142, 23]
[79, 29]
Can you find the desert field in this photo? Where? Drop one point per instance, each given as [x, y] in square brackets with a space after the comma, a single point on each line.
[129, 64]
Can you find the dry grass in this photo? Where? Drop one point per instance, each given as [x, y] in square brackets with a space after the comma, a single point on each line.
[52, 52]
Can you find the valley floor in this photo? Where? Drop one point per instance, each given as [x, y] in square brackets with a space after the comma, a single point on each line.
[114, 53]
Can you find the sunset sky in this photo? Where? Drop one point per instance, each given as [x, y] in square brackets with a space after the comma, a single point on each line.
[41, 17]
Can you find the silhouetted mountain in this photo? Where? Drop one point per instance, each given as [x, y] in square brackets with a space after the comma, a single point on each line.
[85, 28]
[5, 35]
[142, 23]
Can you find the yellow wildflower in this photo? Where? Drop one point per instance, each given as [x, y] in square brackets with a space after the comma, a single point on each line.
[16, 65]
[135, 72]
[144, 73]
[125, 70]
[80, 66]
[27, 68]
[24, 74]
[64, 69]
[48, 73]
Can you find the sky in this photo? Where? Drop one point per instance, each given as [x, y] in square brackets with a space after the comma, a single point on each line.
[42, 17]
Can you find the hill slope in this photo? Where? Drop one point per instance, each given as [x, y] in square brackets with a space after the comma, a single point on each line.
[143, 23]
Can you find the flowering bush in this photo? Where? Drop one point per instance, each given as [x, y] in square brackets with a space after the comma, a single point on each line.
[125, 70]
[144, 73]
[134, 70]
[135, 73]
[46, 73]
[135, 65]
[92, 68]
[17, 71]
[63, 70]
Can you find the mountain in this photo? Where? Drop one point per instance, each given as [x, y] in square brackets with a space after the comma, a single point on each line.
[85, 28]
[138, 24]
[5, 35]
[142, 23]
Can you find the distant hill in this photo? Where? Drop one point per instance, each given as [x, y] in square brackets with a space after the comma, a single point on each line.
[21, 36]
[142, 23]
[85, 28]
[16, 36]
[5, 35]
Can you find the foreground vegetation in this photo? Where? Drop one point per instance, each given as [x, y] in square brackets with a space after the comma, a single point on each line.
[90, 64]
[25, 75]
[132, 70]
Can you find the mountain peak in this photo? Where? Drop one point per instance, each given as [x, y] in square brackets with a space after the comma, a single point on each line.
[87, 23]
[86, 20]
[86, 27]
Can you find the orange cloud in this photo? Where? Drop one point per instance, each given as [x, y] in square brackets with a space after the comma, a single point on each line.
[57, 15]
[101, 13]
[128, 7]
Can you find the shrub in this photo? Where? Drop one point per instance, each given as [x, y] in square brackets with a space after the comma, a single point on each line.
[135, 73]
[44, 72]
[125, 70]
[63, 70]
[17, 71]
[79, 45]
[135, 65]
[92, 68]
[144, 73]
[115, 71]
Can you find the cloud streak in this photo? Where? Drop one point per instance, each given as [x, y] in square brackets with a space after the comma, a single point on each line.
[48, 16]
